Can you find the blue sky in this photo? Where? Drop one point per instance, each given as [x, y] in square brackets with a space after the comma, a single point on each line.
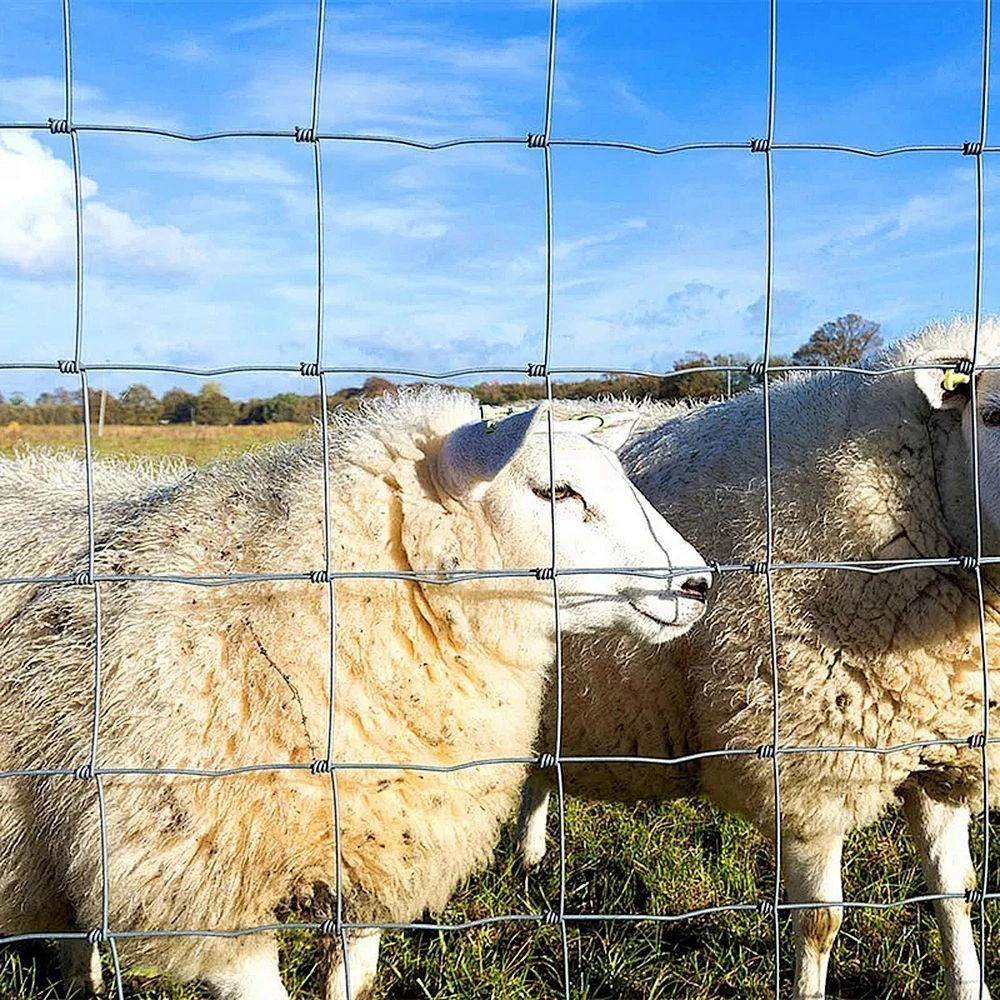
[203, 254]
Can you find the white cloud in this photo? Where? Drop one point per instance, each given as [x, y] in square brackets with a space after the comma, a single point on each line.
[37, 220]
[226, 165]
[386, 72]
[290, 14]
[516, 55]
[37, 98]
[919, 213]
[413, 221]
[187, 50]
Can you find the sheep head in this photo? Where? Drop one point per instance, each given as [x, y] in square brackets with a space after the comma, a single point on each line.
[947, 386]
[497, 497]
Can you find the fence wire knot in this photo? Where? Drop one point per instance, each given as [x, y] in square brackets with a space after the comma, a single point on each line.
[68, 366]
[766, 908]
[97, 936]
[757, 568]
[305, 134]
[972, 148]
[544, 573]
[84, 772]
[974, 895]
[765, 752]
[319, 576]
[537, 140]
[760, 145]
[963, 366]
[319, 766]
[309, 368]
[537, 370]
[755, 369]
[59, 126]
[82, 578]
[328, 927]
[546, 760]
[968, 562]
[550, 918]
[977, 741]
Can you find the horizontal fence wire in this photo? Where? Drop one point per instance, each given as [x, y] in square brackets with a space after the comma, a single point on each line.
[754, 145]
[756, 370]
[441, 578]
[770, 907]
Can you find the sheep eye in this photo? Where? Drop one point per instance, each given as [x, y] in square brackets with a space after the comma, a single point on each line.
[561, 492]
[991, 417]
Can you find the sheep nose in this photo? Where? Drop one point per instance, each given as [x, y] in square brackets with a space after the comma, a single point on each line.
[696, 586]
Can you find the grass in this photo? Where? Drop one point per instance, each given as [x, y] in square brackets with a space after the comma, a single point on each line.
[653, 859]
[195, 444]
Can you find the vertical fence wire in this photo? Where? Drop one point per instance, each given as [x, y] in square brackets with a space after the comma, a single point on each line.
[88, 577]
[329, 582]
[772, 905]
[981, 896]
[768, 907]
[560, 914]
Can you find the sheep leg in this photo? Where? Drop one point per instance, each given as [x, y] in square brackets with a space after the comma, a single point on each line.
[941, 832]
[252, 974]
[812, 875]
[531, 819]
[81, 968]
[361, 963]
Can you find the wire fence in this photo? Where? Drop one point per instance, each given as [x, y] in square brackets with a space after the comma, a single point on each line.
[770, 907]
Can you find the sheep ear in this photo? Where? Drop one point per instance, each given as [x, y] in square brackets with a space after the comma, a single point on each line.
[609, 429]
[945, 387]
[473, 455]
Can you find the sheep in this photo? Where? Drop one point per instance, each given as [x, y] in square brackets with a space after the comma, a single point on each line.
[219, 677]
[50, 532]
[865, 467]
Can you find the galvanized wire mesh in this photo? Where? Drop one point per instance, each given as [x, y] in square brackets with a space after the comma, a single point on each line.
[770, 907]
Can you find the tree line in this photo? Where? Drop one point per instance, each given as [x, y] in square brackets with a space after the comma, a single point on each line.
[842, 341]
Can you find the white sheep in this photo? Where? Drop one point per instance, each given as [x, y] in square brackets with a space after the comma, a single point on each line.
[43, 509]
[864, 468]
[210, 678]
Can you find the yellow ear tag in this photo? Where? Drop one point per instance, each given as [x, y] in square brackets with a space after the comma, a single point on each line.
[953, 379]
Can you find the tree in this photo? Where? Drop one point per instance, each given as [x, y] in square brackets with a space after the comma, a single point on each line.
[376, 386]
[841, 341]
[285, 407]
[213, 406]
[138, 405]
[711, 384]
[178, 406]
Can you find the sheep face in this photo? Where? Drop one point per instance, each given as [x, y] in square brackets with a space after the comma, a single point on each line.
[601, 520]
[948, 389]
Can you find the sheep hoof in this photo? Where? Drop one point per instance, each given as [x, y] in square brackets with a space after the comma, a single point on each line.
[969, 990]
[532, 856]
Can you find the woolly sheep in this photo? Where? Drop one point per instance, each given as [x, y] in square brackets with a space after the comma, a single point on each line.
[216, 677]
[43, 510]
[864, 468]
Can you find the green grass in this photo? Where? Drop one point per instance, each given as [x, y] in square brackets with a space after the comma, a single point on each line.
[645, 859]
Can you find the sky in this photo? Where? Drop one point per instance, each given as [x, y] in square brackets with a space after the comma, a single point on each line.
[204, 254]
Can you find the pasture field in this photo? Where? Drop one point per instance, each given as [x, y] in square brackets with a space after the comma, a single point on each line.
[195, 444]
[647, 859]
